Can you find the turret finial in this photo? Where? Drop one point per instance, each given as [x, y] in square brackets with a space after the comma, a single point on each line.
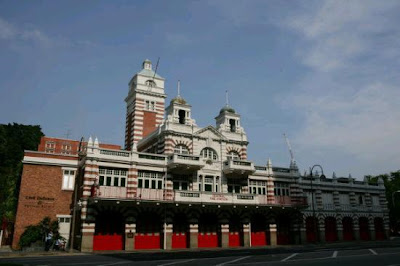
[179, 88]
[227, 97]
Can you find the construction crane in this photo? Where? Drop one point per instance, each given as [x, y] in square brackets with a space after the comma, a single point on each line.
[290, 149]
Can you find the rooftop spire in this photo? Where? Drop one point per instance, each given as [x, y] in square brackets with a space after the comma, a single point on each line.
[227, 97]
[179, 88]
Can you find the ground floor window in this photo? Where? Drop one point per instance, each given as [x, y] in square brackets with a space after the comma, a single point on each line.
[150, 179]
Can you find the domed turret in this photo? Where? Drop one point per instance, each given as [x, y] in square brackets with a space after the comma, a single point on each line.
[228, 109]
[179, 100]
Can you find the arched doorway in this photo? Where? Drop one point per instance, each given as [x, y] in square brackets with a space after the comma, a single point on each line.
[209, 231]
[259, 235]
[348, 232]
[379, 229]
[311, 229]
[235, 231]
[283, 230]
[330, 229]
[180, 234]
[364, 228]
[148, 231]
[109, 231]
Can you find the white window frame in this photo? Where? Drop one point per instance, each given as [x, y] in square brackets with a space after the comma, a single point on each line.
[113, 174]
[258, 187]
[233, 155]
[64, 216]
[181, 149]
[146, 177]
[209, 154]
[70, 182]
[281, 189]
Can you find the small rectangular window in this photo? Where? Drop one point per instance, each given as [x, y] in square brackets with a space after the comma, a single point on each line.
[108, 180]
[116, 181]
[230, 189]
[146, 183]
[176, 185]
[101, 181]
[140, 184]
[153, 184]
[208, 187]
[123, 180]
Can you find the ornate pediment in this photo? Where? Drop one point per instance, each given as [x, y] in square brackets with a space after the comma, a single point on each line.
[209, 132]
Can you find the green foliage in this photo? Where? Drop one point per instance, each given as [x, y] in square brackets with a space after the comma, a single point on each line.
[392, 184]
[31, 234]
[14, 139]
[34, 233]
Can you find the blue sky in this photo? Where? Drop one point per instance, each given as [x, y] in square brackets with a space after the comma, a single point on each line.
[324, 72]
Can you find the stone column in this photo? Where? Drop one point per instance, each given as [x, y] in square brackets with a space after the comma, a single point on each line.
[130, 232]
[194, 232]
[168, 235]
[371, 227]
[225, 235]
[321, 229]
[272, 234]
[303, 235]
[297, 233]
[356, 228]
[87, 237]
[339, 228]
[246, 235]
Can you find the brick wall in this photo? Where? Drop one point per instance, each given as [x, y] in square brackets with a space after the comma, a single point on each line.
[40, 196]
[149, 122]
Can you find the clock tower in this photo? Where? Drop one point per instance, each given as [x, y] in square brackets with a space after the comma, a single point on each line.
[144, 104]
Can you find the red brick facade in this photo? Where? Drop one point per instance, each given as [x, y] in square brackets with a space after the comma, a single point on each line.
[40, 196]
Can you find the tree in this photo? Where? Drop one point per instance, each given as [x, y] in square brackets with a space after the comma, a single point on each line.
[14, 139]
[392, 184]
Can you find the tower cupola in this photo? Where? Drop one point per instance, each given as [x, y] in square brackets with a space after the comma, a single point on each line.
[179, 111]
[228, 120]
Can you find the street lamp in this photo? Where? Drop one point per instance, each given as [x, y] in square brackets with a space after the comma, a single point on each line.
[312, 196]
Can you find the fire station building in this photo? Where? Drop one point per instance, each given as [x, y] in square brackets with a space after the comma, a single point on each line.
[176, 185]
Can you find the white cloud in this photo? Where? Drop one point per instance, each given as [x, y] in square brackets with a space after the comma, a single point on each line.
[350, 98]
[31, 35]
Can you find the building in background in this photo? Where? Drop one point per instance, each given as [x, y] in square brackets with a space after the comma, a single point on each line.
[178, 185]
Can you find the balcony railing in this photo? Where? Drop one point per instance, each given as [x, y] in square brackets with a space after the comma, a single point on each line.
[238, 167]
[112, 192]
[198, 197]
[151, 157]
[150, 194]
[185, 161]
[115, 153]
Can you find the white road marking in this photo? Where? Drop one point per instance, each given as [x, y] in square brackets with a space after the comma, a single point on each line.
[175, 262]
[291, 256]
[116, 263]
[231, 261]
[334, 255]
[373, 251]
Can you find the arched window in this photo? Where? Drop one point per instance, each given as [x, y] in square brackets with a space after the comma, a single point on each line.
[233, 155]
[181, 149]
[150, 83]
[208, 153]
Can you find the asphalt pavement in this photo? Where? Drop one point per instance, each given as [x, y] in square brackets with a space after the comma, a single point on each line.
[372, 253]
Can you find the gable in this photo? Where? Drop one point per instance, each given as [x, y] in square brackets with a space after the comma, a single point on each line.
[209, 133]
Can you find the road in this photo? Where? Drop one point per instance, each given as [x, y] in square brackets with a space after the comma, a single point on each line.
[388, 256]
